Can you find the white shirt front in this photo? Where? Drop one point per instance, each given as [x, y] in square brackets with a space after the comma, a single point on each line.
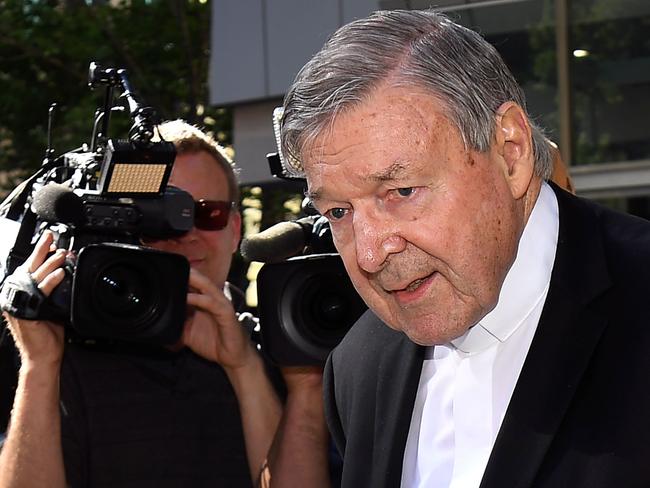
[465, 386]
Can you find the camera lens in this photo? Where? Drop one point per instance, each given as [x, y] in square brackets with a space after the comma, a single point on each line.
[126, 294]
[131, 293]
[121, 291]
[325, 306]
[333, 308]
[325, 309]
[307, 304]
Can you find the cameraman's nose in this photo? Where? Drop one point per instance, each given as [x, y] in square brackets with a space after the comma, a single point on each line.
[375, 238]
[171, 243]
[190, 236]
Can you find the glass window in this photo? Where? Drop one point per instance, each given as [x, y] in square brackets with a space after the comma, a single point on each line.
[523, 31]
[610, 78]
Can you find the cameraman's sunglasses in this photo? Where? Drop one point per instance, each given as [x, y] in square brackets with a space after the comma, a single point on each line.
[211, 214]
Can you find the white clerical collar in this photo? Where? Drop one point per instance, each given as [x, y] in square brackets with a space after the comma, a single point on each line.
[526, 282]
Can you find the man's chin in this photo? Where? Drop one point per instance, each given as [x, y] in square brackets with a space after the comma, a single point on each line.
[430, 333]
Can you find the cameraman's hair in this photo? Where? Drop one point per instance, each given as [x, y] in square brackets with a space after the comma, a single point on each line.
[189, 139]
[406, 48]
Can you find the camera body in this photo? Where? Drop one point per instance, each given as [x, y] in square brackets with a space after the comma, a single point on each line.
[100, 201]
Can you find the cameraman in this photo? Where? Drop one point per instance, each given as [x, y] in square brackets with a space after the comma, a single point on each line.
[201, 413]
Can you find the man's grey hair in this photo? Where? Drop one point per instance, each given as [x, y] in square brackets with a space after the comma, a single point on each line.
[419, 48]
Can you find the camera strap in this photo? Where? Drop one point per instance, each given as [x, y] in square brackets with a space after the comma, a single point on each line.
[23, 245]
[16, 207]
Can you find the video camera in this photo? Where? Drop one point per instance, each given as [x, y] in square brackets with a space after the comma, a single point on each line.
[100, 201]
[306, 301]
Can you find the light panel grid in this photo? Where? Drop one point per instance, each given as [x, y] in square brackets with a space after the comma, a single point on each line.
[136, 178]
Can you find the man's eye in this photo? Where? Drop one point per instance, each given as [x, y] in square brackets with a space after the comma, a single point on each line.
[405, 192]
[337, 213]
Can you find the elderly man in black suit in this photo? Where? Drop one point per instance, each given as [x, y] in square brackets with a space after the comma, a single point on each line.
[507, 342]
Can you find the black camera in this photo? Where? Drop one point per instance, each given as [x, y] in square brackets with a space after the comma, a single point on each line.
[306, 305]
[306, 301]
[100, 201]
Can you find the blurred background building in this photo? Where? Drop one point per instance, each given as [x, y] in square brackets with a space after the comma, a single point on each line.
[584, 65]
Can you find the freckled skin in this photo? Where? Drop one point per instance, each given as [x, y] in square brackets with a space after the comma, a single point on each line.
[458, 229]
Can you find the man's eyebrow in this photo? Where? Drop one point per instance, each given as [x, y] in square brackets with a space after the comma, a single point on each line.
[395, 171]
[314, 195]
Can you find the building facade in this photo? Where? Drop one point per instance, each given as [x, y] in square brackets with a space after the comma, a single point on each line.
[584, 66]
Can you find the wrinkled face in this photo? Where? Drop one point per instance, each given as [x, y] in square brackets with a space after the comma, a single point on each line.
[208, 251]
[426, 228]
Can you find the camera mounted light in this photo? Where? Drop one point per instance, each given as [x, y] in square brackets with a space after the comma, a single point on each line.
[129, 170]
[283, 165]
[137, 167]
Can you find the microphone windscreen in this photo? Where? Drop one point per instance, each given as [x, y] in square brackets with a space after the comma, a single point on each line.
[58, 203]
[275, 244]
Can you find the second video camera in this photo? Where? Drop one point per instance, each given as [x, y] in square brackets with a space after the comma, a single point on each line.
[306, 301]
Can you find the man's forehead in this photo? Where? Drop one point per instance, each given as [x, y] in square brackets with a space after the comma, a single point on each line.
[386, 106]
[390, 136]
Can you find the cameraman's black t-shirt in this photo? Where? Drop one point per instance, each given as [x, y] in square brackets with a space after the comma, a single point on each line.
[134, 419]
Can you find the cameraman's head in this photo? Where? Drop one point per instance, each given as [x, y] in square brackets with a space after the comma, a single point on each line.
[204, 170]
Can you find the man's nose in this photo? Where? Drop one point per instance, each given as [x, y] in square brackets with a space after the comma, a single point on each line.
[189, 236]
[376, 236]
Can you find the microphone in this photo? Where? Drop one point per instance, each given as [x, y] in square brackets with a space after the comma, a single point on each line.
[58, 203]
[279, 242]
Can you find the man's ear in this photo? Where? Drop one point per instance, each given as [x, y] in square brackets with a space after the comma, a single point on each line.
[515, 146]
[235, 224]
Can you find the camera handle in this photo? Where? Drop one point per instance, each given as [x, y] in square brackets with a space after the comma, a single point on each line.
[142, 130]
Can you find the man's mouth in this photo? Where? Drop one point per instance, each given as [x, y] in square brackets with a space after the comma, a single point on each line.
[414, 290]
[415, 284]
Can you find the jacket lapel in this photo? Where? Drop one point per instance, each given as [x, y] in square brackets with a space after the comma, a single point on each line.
[560, 352]
[399, 372]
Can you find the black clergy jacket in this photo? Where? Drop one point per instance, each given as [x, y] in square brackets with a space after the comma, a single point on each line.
[579, 415]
